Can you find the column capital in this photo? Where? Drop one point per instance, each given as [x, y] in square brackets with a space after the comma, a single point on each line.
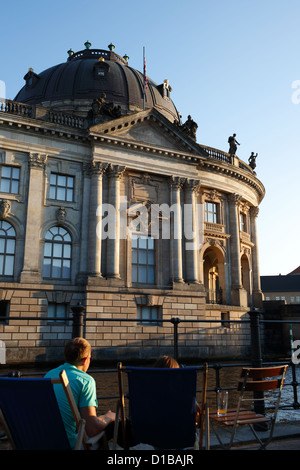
[116, 171]
[37, 160]
[95, 168]
[254, 211]
[192, 184]
[176, 182]
[98, 168]
[234, 198]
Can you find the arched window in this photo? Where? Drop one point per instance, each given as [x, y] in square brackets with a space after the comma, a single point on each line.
[57, 254]
[7, 248]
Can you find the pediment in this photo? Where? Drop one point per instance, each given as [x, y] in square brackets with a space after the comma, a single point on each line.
[149, 128]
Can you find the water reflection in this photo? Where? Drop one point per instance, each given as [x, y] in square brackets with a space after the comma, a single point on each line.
[107, 386]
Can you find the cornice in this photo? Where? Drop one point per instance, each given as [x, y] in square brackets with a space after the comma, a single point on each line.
[144, 147]
[212, 165]
[103, 134]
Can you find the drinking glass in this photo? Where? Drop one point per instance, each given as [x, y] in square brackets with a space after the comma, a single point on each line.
[222, 402]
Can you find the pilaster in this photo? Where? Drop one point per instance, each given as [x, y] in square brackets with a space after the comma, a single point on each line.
[176, 184]
[115, 173]
[190, 227]
[238, 293]
[257, 295]
[95, 218]
[31, 268]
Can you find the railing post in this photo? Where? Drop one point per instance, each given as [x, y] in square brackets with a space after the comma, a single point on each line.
[255, 337]
[78, 320]
[257, 362]
[295, 383]
[175, 322]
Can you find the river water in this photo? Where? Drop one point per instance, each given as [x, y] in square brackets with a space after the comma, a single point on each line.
[107, 386]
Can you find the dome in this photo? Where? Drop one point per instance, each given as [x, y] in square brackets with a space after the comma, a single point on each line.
[91, 74]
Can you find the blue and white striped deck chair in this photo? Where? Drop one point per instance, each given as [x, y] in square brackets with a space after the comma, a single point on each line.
[30, 414]
[162, 406]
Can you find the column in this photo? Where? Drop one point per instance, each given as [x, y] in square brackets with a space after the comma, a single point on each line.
[95, 219]
[237, 294]
[191, 231]
[176, 230]
[31, 266]
[256, 293]
[84, 239]
[115, 173]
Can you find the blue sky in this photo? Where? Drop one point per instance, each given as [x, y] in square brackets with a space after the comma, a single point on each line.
[231, 65]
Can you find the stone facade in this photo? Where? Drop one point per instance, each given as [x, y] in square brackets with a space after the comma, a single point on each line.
[60, 245]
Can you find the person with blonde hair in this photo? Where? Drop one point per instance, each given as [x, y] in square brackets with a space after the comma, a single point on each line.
[166, 362]
[77, 354]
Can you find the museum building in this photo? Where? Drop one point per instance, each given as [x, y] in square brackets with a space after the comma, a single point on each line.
[107, 200]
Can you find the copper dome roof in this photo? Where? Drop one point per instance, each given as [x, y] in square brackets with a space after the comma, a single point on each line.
[90, 74]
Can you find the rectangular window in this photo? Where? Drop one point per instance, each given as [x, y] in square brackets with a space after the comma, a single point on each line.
[149, 315]
[4, 312]
[243, 226]
[211, 215]
[225, 317]
[61, 187]
[142, 259]
[9, 179]
[57, 312]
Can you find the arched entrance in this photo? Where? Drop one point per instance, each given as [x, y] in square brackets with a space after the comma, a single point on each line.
[214, 275]
[246, 278]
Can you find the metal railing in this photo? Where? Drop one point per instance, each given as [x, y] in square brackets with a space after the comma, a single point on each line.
[216, 367]
[79, 320]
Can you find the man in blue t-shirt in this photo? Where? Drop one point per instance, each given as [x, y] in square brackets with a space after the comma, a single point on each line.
[77, 356]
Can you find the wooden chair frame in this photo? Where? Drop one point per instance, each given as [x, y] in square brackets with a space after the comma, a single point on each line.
[82, 442]
[87, 442]
[263, 379]
[121, 418]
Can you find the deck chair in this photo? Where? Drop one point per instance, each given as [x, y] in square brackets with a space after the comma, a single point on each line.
[162, 406]
[258, 381]
[31, 418]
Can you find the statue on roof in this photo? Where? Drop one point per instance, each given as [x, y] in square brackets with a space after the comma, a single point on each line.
[252, 160]
[232, 144]
[190, 127]
[101, 108]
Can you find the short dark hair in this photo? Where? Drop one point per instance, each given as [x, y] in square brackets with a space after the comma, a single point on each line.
[76, 350]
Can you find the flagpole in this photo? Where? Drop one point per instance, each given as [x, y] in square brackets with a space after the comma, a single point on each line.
[144, 90]
[145, 80]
